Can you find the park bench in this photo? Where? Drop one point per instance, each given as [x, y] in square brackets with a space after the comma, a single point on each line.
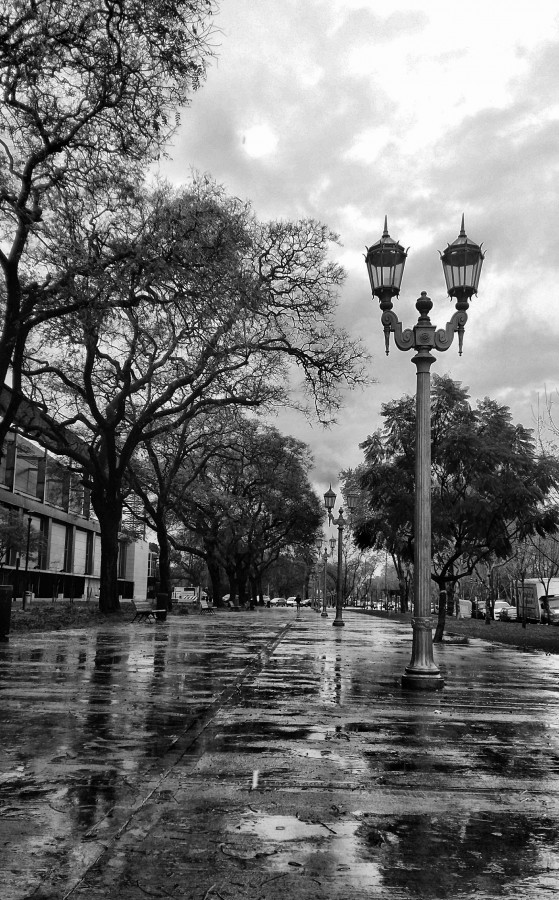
[143, 610]
[205, 607]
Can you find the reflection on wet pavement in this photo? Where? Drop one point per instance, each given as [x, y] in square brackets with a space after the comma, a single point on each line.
[238, 772]
[83, 716]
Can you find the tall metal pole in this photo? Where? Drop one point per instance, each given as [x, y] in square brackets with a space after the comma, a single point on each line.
[324, 614]
[422, 671]
[340, 522]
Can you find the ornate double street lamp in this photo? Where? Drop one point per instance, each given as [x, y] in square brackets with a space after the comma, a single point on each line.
[329, 503]
[462, 261]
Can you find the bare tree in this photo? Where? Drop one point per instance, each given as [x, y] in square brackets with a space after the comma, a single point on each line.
[89, 91]
[213, 310]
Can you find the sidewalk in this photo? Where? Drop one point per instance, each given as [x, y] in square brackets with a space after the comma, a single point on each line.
[255, 755]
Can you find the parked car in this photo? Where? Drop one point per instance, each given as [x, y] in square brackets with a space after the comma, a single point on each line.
[278, 601]
[532, 595]
[504, 611]
[553, 603]
[291, 601]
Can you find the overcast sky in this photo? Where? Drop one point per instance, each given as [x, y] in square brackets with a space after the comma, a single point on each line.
[347, 110]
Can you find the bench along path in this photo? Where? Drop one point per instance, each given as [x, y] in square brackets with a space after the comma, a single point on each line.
[143, 610]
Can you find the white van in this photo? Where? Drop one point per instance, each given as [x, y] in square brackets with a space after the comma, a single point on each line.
[530, 595]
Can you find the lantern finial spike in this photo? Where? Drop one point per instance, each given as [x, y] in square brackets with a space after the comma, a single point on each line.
[385, 233]
[462, 232]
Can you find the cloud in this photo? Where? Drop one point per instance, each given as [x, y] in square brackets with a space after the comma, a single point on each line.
[344, 110]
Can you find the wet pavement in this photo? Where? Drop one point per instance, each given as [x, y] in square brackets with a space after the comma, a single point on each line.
[253, 754]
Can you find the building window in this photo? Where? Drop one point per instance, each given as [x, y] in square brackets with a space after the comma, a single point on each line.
[122, 553]
[27, 465]
[7, 461]
[68, 549]
[89, 553]
[77, 490]
[43, 543]
[58, 485]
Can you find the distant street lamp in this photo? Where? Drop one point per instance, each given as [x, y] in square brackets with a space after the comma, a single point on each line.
[462, 261]
[324, 613]
[329, 503]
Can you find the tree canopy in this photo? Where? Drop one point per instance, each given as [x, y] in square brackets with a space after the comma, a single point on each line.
[251, 503]
[209, 309]
[489, 485]
[89, 96]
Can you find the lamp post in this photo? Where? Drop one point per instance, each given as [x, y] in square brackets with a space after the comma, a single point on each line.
[462, 261]
[329, 503]
[324, 614]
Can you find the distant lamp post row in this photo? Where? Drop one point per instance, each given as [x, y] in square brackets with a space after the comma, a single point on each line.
[329, 503]
[324, 556]
[462, 261]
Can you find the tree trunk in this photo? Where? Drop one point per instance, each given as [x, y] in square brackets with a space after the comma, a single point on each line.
[404, 600]
[109, 513]
[253, 591]
[164, 563]
[108, 582]
[214, 571]
[233, 591]
[242, 577]
[441, 621]
[258, 589]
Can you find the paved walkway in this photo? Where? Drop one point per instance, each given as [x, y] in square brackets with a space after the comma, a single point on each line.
[254, 755]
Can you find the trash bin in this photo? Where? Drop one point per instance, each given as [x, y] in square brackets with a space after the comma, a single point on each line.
[6, 591]
[27, 598]
[161, 607]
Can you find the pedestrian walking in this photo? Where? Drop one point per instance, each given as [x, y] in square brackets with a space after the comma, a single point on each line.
[298, 602]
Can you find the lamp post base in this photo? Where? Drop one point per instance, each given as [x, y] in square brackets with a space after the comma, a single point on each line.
[338, 623]
[416, 680]
[324, 615]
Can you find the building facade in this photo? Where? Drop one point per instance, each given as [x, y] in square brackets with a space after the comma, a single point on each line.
[61, 554]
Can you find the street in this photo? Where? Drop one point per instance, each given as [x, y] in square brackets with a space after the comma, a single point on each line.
[257, 754]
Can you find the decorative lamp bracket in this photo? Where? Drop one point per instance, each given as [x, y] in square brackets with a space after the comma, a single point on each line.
[424, 335]
[340, 521]
[402, 339]
[445, 336]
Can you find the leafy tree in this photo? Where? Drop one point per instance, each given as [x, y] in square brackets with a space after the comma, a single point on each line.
[250, 506]
[167, 467]
[89, 93]
[359, 564]
[489, 487]
[220, 311]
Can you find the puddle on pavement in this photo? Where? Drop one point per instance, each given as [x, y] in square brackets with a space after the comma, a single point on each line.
[249, 732]
[285, 828]
[417, 856]
[432, 856]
